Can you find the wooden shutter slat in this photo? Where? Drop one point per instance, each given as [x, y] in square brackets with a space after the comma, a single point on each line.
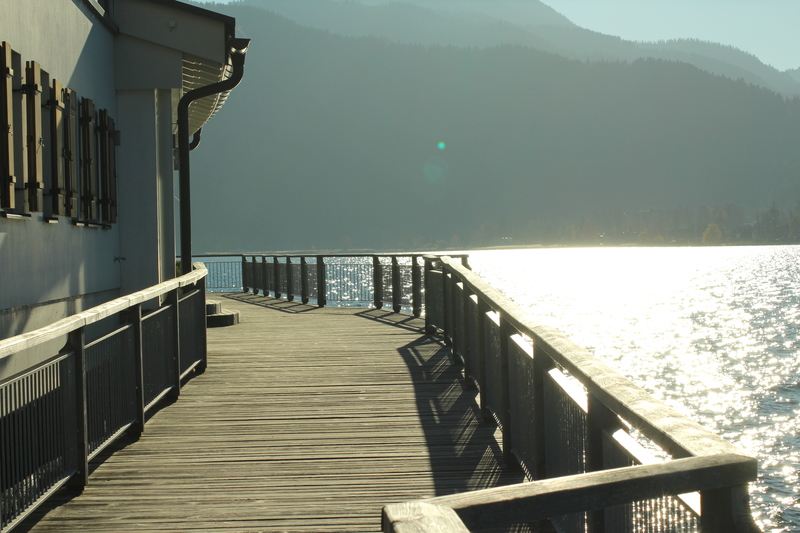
[71, 152]
[7, 180]
[102, 132]
[112, 170]
[35, 140]
[88, 163]
[20, 137]
[57, 151]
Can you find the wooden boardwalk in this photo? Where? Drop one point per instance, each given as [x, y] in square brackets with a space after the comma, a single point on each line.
[307, 419]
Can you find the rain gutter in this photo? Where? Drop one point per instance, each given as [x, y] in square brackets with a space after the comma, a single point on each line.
[238, 49]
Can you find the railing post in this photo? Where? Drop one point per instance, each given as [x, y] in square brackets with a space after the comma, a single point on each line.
[377, 282]
[446, 311]
[289, 280]
[276, 275]
[244, 274]
[466, 327]
[599, 419]
[201, 286]
[480, 359]
[416, 288]
[505, 332]
[253, 274]
[542, 364]
[458, 350]
[80, 479]
[264, 276]
[322, 284]
[303, 280]
[174, 300]
[135, 316]
[726, 510]
[397, 286]
[430, 327]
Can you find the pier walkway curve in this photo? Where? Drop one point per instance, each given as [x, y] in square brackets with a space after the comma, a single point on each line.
[307, 419]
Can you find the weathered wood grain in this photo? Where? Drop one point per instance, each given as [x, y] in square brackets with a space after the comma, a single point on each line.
[307, 419]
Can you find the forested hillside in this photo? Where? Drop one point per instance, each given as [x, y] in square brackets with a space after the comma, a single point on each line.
[336, 141]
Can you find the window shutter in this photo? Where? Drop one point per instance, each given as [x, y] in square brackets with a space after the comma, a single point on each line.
[88, 160]
[33, 89]
[6, 129]
[108, 182]
[112, 169]
[57, 149]
[20, 138]
[71, 152]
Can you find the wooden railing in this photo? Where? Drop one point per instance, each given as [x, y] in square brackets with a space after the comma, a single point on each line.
[63, 399]
[393, 280]
[576, 427]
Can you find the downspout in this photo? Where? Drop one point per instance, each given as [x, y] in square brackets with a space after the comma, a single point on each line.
[238, 49]
[195, 140]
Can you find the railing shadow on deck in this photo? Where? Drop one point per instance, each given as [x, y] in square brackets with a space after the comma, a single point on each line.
[570, 422]
[463, 451]
[268, 302]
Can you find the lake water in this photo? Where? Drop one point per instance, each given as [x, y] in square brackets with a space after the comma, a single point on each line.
[711, 331]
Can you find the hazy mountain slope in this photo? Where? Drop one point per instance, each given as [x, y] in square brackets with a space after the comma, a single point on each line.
[332, 139]
[476, 23]
[519, 12]
[402, 23]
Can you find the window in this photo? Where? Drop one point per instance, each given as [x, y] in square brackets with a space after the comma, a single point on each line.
[57, 151]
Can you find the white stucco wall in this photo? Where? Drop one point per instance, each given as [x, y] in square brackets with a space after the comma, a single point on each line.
[52, 270]
[68, 43]
[48, 271]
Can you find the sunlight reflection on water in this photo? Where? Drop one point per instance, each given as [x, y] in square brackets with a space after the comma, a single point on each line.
[710, 331]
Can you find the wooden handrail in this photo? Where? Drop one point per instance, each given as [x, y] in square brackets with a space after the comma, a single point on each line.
[539, 500]
[724, 501]
[672, 431]
[71, 323]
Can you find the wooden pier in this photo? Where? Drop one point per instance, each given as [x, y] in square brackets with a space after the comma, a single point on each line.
[307, 419]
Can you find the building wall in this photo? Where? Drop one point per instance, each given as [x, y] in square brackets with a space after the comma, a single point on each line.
[51, 270]
[70, 45]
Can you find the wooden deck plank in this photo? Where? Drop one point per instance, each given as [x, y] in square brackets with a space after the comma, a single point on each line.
[307, 419]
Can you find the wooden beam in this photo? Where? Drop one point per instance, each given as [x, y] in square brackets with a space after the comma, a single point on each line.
[421, 517]
[526, 502]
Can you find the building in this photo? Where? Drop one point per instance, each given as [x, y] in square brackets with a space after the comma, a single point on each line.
[88, 162]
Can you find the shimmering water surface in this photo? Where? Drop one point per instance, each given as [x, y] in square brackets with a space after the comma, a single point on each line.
[711, 331]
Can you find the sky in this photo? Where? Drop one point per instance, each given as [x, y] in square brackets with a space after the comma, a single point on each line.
[768, 29]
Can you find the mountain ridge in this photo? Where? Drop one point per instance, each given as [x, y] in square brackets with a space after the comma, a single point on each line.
[332, 139]
[462, 23]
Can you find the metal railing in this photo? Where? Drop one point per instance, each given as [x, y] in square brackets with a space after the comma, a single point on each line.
[577, 429]
[391, 280]
[64, 407]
